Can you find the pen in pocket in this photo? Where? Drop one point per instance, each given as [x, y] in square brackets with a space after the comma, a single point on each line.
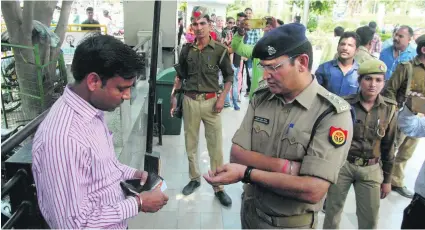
[291, 125]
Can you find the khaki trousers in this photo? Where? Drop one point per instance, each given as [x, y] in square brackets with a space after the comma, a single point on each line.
[195, 111]
[367, 186]
[404, 153]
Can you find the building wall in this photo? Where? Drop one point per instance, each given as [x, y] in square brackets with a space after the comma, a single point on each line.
[218, 7]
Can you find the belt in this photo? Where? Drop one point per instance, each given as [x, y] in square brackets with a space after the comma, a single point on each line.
[307, 219]
[359, 161]
[205, 96]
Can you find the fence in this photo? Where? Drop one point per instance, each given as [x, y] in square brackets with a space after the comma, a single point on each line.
[34, 90]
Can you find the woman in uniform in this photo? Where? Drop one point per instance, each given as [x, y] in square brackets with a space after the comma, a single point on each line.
[370, 158]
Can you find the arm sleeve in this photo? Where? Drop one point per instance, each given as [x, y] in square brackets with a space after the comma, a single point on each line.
[320, 75]
[127, 172]
[388, 148]
[324, 160]
[394, 83]
[226, 67]
[63, 189]
[240, 48]
[410, 124]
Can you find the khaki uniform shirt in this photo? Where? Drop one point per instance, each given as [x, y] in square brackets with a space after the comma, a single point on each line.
[375, 131]
[282, 130]
[203, 66]
[363, 55]
[397, 85]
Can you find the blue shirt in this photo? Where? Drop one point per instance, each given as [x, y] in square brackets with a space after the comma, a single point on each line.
[387, 56]
[330, 76]
[414, 126]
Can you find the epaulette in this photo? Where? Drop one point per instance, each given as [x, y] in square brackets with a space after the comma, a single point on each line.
[350, 98]
[337, 102]
[389, 100]
[262, 86]
[220, 44]
[261, 93]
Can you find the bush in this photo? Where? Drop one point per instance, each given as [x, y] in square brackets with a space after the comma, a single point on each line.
[312, 24]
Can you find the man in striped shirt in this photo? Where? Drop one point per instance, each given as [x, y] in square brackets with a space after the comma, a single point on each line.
[76, 172]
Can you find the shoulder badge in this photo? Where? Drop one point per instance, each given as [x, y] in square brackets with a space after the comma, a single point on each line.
[389, 101]
[337, 102]
[348, 98]
[262, 86]
[337, 136]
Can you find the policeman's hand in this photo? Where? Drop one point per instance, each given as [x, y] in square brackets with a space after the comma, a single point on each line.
[385, 189]
[143, 175]
[219, 105]
[173, 105]
[154, 200]
[226, 174]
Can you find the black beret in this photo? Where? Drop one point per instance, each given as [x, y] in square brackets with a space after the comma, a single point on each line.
[280, 41]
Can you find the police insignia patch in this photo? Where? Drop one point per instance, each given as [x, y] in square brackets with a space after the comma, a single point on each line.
[261, 120]
[271, 50]
[337, 136]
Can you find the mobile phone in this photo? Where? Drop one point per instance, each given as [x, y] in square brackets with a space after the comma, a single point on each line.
[256, 23]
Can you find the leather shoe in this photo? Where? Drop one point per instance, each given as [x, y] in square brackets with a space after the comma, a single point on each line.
[190, 188]
[224, 198]
[403, 191]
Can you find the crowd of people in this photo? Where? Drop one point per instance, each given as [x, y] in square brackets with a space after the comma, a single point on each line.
[304, 140]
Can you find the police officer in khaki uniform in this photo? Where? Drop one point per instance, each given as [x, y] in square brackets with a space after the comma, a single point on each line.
[366, 36]
[290, 119]
[202, 60]
[373, 142]
[408, 76]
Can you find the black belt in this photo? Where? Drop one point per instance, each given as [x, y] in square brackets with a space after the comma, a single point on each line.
[359, 161]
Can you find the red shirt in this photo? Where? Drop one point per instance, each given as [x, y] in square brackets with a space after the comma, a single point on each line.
[213, 35]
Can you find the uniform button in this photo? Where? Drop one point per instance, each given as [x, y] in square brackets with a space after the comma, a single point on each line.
[288, 110]
[257, 128]
[293, 139]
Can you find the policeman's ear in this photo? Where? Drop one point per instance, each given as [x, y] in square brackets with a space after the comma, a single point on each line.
[303, 59]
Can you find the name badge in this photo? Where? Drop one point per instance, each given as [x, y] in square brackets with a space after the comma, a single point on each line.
[261, 120]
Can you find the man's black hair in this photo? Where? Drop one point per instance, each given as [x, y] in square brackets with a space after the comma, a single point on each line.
[213, 14]
[280, 22]
[89, 9]
[298, 19]
[373, 25]
[241, 14]
[409, 29]
[419, 47]
[365, 34]
[269, 20]
[338, 31]
[248, 8]
[350, 34]
[305, 48]
[229, 18]
[106, 56]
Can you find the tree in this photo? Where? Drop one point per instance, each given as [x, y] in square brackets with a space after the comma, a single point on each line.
[317, 7]
[19, 23]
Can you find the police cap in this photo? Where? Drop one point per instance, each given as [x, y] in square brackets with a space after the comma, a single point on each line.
[280, 41]
[199, 12]
[374, 66]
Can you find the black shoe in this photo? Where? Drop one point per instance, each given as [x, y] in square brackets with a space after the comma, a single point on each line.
[403, 191]
[190, 188]
[224, 198]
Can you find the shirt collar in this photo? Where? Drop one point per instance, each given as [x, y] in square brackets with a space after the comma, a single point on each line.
[305, 97]
[363, 48]
[417, 62]
[210, 43]
[355, 64]
[81, 106]
[379, 100]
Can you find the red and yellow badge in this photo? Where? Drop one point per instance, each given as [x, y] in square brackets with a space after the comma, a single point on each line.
[337, 136]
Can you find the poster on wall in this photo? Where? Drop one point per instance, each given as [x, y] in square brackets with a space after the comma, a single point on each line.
[72, 39]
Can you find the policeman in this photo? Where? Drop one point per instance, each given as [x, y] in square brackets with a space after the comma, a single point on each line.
[374, 135]
[408, 76]
[202, 60]
[289, 119]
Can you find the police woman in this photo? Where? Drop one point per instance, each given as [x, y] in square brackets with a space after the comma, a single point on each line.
[370, 159]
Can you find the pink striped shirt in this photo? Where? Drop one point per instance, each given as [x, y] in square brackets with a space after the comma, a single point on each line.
[76, 172]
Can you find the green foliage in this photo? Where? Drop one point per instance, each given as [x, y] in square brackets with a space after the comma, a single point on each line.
[385, 36]
[312, 23]
[183, 6]
[317, 6]
[328, 25]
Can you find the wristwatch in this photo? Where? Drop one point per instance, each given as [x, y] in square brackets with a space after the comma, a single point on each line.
[247, 175]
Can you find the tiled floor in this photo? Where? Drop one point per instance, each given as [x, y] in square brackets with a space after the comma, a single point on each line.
[201, 210]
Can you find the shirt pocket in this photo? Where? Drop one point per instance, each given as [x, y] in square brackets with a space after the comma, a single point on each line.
[293, 144]
[261, 137]
[191, 66]
[359, 128]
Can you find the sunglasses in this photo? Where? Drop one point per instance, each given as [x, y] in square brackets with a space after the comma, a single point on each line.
[201, 23]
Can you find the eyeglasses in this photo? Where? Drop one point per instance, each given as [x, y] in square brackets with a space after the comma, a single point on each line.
[273, 69]
[201, 23]
[230, 22]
